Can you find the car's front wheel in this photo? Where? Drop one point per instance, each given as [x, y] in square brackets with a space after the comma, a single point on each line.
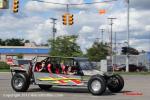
[20, 82]
[97, 85]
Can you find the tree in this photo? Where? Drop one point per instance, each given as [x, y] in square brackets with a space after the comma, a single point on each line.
[65, 46]
[19, 56]
[14, 42]
[27, 41]
[2, 43]
[130, 50]
[98, 51]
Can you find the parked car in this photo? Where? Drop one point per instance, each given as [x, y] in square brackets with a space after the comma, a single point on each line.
[70, 71]
[132, 68]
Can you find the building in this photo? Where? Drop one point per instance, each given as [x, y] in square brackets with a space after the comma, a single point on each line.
[141, 59]
[26, 52]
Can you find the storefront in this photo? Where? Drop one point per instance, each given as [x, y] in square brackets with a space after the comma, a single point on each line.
[14, 52]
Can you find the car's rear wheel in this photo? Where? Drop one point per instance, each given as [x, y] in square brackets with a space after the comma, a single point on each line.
[45, 87]
[97, 85]
[20, 82]
[115, 83]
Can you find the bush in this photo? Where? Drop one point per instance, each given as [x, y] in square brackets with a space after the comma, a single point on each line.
[4, 65]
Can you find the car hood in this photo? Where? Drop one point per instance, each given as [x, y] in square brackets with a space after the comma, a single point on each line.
[92, 72]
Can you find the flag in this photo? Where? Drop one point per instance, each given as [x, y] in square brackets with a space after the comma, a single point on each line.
[102, 11]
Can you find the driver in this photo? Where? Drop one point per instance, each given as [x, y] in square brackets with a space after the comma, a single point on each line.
[70, 71]
[45, 68]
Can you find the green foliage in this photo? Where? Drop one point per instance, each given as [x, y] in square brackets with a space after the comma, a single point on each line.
[19, 56]
[4, 65]
[13, 42]
[2, 43]
[130, 50]
[98, 51]
[65, 46]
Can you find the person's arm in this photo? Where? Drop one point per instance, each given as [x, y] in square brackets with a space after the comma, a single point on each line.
[49, 68]
[41, 69]
[71, 73]
[36, 69]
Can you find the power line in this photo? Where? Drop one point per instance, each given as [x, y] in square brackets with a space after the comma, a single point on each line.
[88, 3]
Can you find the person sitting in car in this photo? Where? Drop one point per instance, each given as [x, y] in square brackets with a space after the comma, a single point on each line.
[44, 68]
[63, 67]
[70, 71]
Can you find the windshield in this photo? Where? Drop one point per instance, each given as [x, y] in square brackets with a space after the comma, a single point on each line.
[86, 65]
[21, 62]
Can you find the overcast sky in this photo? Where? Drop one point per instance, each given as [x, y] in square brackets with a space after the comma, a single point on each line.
[33, 22]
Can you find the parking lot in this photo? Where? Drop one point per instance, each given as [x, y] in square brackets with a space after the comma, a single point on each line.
[139, 84]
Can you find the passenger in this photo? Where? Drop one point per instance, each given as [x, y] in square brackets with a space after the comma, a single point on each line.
[70, 71]
[49, 68]
[63, 67]
[37, 66]
[43, 67]
[57, 70]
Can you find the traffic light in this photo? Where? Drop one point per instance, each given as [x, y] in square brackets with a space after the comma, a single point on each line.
[4, 4]
[15, 6]
[64, 17]
[67, 19]
[70, 19]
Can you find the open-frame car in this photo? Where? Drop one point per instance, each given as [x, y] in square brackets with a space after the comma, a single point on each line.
[59, 71]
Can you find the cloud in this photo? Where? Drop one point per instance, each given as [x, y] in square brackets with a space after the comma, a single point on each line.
[34, 28]
[34, 23]
[86, 29]
[147, 28]
[141, 44]
[36, 6]
[140, 4]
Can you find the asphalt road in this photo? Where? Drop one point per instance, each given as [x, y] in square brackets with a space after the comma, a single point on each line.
[133, 83]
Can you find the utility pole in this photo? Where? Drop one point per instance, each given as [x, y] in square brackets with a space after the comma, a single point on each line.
[111, 52]
[115, 47]
[128, 35]
[97, 40]
[54, 30]
[102, 32]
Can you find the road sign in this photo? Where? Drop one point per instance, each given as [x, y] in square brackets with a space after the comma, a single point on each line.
[4, 4]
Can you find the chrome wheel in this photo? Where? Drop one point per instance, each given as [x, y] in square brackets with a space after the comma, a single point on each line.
[18, 83]
[96, 85]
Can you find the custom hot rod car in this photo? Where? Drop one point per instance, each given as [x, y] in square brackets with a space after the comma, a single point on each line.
[63, 71]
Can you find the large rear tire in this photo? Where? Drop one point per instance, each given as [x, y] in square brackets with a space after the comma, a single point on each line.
[97, 85]
[20, 82]
[115, 83]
